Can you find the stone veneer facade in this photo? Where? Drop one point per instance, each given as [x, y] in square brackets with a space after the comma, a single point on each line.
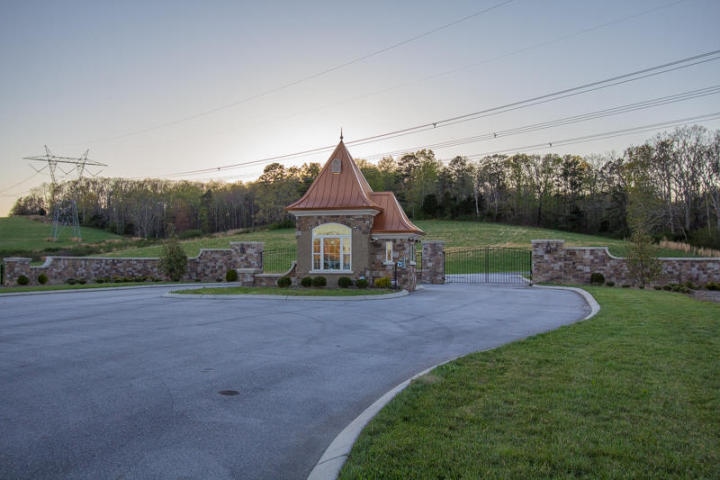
[433, 262]
[209, 266]
[552, 262]
[368, 255]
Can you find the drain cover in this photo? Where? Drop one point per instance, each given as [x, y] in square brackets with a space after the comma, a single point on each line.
[229, 393]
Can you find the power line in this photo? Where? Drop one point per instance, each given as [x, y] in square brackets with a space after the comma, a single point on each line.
[633, 107]
[308, 77]
[549, 97]
[602, 136]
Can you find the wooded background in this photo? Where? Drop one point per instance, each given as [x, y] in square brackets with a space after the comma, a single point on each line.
[670, 185]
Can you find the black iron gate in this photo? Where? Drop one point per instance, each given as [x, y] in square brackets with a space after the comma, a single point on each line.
[488, 265]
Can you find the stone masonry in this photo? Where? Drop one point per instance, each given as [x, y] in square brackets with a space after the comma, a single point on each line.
[552, 262]
[209, 266]
[433, 262]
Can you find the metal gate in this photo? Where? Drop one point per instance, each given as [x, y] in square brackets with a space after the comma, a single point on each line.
[488, 265]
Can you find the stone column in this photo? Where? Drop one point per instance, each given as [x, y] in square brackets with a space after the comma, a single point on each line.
[433, 262]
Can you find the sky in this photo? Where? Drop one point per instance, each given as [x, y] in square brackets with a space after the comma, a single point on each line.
[216, 90]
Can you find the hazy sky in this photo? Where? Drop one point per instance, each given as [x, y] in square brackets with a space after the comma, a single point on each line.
[157, 88]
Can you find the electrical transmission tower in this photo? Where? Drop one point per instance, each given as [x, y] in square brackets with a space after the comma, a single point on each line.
[64, 210]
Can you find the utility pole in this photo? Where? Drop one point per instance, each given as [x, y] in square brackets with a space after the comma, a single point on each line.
[64, 210]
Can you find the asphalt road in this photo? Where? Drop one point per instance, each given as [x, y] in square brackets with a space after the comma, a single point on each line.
[126, 384]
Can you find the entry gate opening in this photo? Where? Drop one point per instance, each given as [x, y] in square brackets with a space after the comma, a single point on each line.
[488, 265]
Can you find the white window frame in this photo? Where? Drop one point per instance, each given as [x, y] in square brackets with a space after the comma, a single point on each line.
[322, 258]
[389, 252]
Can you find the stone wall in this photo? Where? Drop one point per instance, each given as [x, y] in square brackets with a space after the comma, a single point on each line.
[433, 262]
[402, 268]
[552, 262]
[208, 266]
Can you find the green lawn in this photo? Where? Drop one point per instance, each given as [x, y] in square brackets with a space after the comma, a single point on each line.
[632, 393]
[24, 234]
[468, 234]
[283, 238]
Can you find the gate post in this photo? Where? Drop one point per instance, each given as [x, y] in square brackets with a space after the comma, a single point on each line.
[433, 262]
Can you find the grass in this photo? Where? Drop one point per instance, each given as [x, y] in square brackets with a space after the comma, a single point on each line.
[278, 239]
[286, 292]
[49, 288]
[457, 235]
[23, 234]
[632, 393]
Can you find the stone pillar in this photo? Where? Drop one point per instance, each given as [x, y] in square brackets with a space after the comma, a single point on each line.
[548, 261]
[14, 267]
[248, 255]
[433, 262]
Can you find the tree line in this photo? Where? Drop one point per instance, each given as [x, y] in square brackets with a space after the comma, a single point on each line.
[670, 183]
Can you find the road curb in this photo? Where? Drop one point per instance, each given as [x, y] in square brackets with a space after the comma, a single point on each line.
[334, 457]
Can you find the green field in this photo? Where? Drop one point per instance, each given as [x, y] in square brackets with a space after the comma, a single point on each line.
[19, 234]
[632, 393]
[22, 234]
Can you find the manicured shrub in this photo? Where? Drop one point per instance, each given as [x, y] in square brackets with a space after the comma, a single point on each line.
[100, 280]
[82, 281]
[345, 282]
[362, 283]
[23, 280]
[319, 281]
[284, 282]
[306, 281]
[42, 279]
[597, 278]
[610, 283]
[71, 281]
[713, 286]
[383, 282]
[231, 275]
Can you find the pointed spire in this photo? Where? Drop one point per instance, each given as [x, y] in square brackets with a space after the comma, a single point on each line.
[341, 135]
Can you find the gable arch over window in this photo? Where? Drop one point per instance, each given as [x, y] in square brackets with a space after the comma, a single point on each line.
[332, 248]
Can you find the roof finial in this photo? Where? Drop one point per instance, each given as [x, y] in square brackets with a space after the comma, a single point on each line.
[341, 135]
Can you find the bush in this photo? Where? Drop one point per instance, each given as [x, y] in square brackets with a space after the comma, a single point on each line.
[284, 282]
[231, 275]
[319, 281]
[362, 283]
[71, 281]
[173, 260]
[597, 278]
[82, 281]
[42, 279]
[306, 282]
[712, 286]
[383, 282]
[345, 282]
[610, 283]
[192, 233]
[23, 280]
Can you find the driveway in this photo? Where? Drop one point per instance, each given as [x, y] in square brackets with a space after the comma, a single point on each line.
[124, 384]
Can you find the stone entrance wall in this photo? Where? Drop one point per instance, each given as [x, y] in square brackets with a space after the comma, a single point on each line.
[552, 262]
[208, 266]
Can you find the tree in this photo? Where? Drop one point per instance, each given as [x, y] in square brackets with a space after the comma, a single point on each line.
[173, 260]
[642, 262]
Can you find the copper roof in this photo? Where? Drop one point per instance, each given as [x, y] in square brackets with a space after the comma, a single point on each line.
[340, 185]
[392, 219]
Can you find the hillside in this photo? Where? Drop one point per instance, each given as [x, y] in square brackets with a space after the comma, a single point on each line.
[30, 236]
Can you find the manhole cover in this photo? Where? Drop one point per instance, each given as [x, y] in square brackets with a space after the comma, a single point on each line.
[229, 393]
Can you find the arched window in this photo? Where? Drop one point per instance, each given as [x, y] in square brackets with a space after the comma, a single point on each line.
[332, 248]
